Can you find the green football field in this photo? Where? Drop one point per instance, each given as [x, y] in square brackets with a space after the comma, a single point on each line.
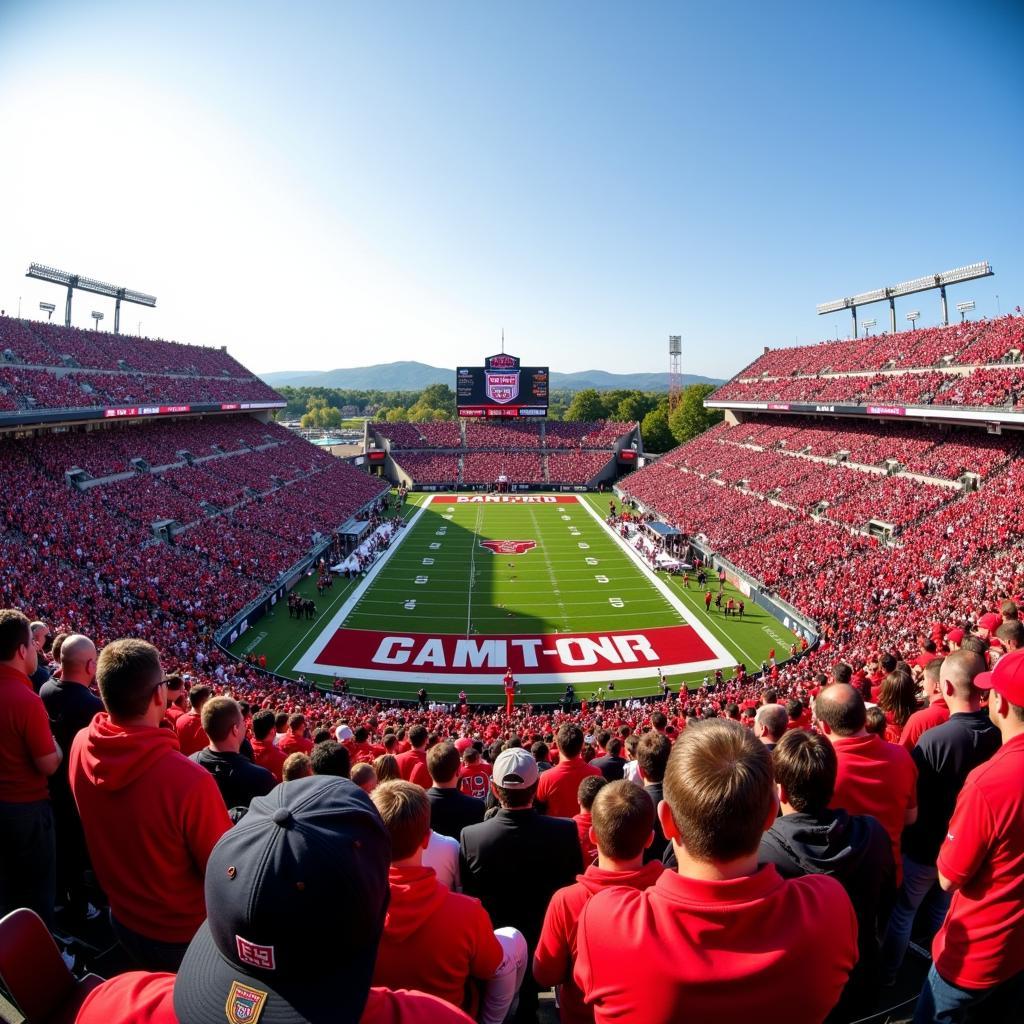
[544, 585]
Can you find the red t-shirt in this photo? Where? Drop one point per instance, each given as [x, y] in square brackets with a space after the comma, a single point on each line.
[921, 721]
[191, 734]
[721, 951]
[141, 998]
[413, 766]
[266, 755]
[144, 803]
[24, 736]
[587, 849]
[558, 786]
[981, 942]
[474, 779]
[877, 778]
[556, 951]
[434, 940]
[291, 743]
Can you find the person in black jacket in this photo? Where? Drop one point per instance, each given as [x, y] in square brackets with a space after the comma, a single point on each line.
[451, 810]
[514, 862]
[811, 839]
[71, 706]
[237, 778]
[651, 758]
[613, 764]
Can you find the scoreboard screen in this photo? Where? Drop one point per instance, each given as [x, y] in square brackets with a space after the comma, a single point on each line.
[501, 387]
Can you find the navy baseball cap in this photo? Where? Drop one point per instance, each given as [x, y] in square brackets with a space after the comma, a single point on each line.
[296, 895]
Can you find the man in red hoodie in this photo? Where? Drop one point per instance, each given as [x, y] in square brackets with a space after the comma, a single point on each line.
[623, 827]
[189, 726]
[559, 787]
[435, 940]
[413, 763]
[147, 810]
[586, 793]
[719, 938]
[265, 754]
[295, 740]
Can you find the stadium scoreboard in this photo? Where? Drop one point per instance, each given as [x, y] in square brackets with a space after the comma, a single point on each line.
[501, 387]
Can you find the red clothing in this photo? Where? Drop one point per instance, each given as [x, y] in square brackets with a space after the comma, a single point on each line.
[587, 848]
[877, 778]
[556, 951]
[367, 752]
[266, 755]
[24, 736]
[558, 786]
[413, 766]
[141, 998]
[191, 734]
[173, 713]
[721, 951]
[434, 940]
[291, 743]
[151, 817]
[921, 721]
[474, 779]
[981, 942]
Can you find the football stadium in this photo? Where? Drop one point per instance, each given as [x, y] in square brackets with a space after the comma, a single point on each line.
[689, 688]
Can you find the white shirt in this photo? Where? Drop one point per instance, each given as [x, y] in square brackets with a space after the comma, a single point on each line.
[442, 854]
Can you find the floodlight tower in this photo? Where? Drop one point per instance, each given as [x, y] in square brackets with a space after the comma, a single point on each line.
[675, 370]
[47, 308]
[913, 317]
[963, 308]
[868, 324]
[97, 316]
[88, 284]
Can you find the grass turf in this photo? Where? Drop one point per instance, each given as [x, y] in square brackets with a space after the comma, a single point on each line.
[557, 587]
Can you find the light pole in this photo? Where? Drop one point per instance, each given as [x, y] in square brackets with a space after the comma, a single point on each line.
[999, 311]
[47, 308]
[867, 325]
[964, 308]
[97, 316]
[913, 317]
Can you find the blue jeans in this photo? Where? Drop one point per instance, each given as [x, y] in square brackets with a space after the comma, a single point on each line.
[920, 885]
[943, 1003]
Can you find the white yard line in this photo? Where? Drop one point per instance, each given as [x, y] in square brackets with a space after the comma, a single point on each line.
[555, 589]
[472, 569]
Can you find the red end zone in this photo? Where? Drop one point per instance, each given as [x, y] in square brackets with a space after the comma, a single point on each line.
[504, 499]
[549, 657]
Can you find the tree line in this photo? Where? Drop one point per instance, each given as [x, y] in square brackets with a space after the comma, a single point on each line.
[321, 408]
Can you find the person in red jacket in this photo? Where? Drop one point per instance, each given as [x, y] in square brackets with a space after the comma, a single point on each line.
[588, 789]
[720, 939]
[558, 789]
[435, 940]
[148, 812]
[295, 740]
[622, 829]
[249, 963]
[189, 726]
[264, 752]
[510, 693]
[413, 763]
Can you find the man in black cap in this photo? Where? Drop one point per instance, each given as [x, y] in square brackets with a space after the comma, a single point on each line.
[514, 862]
[316, 844]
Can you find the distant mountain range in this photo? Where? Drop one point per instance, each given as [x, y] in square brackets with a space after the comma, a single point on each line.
[411, 376]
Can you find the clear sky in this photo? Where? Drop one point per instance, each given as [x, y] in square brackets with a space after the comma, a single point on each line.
[335, 184]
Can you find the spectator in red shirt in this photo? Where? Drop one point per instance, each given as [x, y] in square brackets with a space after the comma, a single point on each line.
[249, 961]
[621, 831]
[434, 940]
[295, 740]
[177, 699]
[978, 954]
[898, 699]
[265, 753]
[874, 777]
[29, 755]
[934, 714]
[413, 763]
[189, 727]
[474, 774]
[558, 789]
[720, 939]
[585, 794]
[144, 803]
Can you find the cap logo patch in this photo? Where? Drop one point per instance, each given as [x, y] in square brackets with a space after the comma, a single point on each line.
[245, 1004]
[250, 953]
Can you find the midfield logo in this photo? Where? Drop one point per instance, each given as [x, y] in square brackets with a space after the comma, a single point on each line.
[508, 547]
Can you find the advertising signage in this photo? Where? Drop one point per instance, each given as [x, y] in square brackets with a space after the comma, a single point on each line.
[501, 388]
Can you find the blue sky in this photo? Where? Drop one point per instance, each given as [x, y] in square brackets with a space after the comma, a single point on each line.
[320, 185]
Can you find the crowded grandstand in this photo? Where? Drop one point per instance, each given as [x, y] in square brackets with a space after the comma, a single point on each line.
[839, 821]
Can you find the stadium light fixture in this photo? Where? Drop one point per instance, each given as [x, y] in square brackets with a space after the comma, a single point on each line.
[97, 316]
[913, 318]
[47, 308]
[52, 275]
[868, 324]
[964, 308]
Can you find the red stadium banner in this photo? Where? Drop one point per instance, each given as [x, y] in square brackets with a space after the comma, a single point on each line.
[505, 499]
[400, 653]
[145, 410]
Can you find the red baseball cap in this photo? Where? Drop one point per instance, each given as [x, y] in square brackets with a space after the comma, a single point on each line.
[1007, 678]
[990, 621]
[954, 636]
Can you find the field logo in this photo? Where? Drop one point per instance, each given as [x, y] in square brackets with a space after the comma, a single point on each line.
[508, 547]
